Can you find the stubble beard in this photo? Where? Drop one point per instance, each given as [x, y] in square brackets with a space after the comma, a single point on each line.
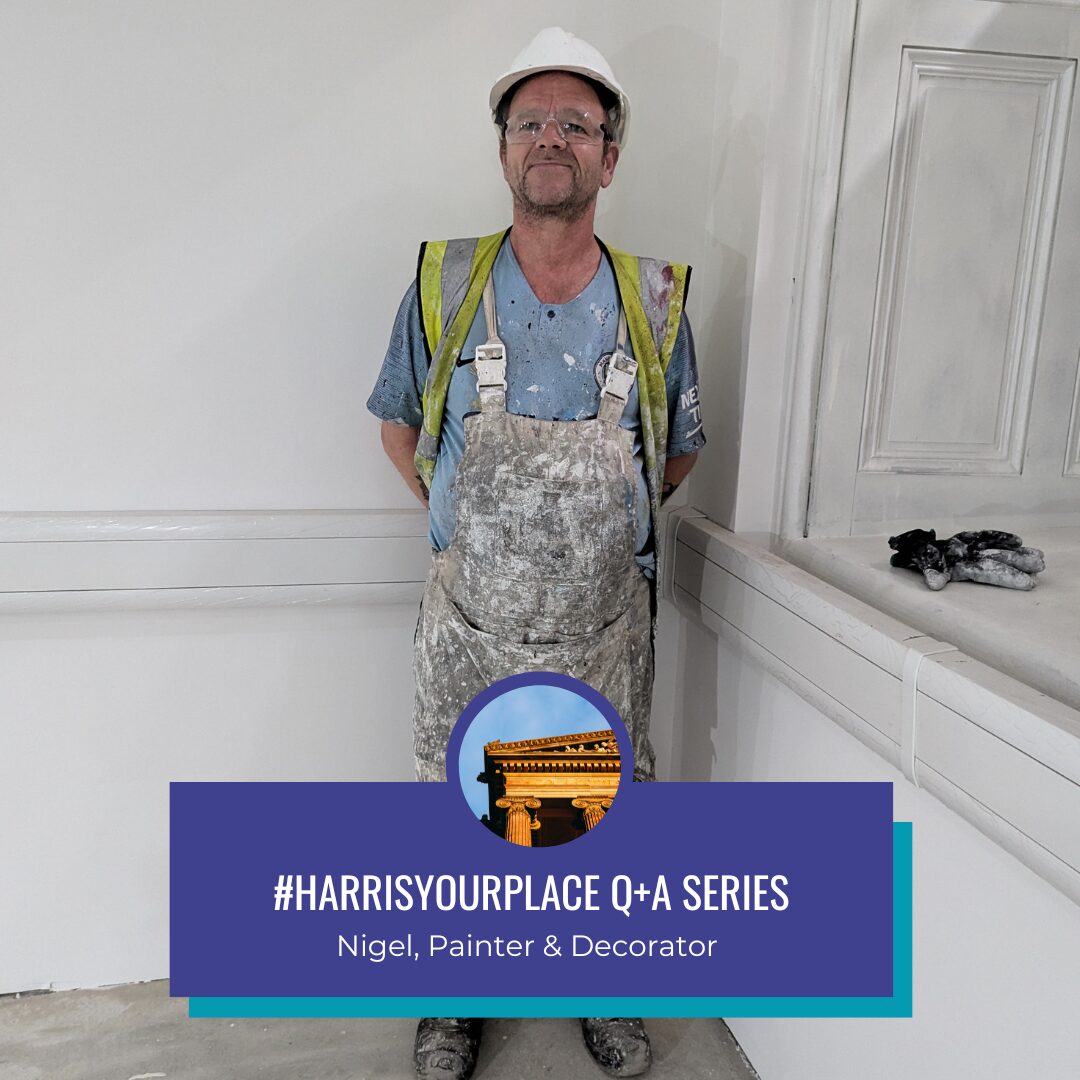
[570, 207]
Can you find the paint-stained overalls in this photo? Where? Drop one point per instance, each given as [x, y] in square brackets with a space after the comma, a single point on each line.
[540, 574]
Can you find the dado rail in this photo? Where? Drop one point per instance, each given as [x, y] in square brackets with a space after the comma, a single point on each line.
[1001, 753]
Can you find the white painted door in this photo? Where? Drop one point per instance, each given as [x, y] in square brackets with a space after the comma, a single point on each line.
[949, 373]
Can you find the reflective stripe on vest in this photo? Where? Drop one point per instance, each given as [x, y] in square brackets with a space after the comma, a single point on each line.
[450, 280]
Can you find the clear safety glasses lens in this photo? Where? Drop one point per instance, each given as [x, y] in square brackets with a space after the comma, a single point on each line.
[571, 125]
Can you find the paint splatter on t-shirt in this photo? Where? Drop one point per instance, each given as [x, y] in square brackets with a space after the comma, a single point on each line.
[556, 365]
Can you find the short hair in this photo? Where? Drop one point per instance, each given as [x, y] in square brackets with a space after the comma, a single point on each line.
[609, 102]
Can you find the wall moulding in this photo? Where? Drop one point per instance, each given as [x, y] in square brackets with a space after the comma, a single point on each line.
[82, 561]
[224, 598]
[76, 525]
[938, 86]
[1003, 756]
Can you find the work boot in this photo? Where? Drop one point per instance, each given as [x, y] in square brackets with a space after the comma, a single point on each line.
[446, 1048]
[619, 1046]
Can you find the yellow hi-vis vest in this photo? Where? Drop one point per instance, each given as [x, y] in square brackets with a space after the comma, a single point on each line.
[450, 282]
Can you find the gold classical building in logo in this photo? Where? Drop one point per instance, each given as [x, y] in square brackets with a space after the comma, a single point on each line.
[543, 792]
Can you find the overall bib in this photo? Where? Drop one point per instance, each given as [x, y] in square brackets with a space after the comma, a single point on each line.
[540, 573]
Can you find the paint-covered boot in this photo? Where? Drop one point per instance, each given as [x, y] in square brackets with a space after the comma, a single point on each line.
[619, 1046]
[446, 1048]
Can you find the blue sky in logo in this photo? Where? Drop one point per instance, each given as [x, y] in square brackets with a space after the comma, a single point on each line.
[526, 712]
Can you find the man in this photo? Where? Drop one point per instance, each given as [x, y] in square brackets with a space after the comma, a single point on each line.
[540, 396]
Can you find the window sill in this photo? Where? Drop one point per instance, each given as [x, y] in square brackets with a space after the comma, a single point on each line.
[1000, 752]
[1033, 636]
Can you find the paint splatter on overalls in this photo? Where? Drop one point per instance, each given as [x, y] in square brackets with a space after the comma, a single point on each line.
[540, 574]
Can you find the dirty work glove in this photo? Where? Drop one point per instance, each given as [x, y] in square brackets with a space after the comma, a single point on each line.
[446, 1049]
[619, 1046]
[987, 556]
[1013, 569]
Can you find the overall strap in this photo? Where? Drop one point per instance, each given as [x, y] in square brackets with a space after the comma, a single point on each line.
[450, 281]
[622, 371]
[490, 360]
[652, 292]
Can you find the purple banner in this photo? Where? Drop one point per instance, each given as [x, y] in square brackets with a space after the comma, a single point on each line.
[384, 890]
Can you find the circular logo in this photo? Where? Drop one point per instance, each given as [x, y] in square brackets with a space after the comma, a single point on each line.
[538, 758]
[601, 369]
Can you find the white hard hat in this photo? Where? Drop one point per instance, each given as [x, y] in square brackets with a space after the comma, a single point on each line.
[554, 49]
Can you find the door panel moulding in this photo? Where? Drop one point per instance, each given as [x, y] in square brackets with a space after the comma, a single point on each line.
[1003, 756]
[996, 433]
[918, 161]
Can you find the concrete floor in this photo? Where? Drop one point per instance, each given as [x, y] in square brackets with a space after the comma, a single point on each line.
[138, 1032]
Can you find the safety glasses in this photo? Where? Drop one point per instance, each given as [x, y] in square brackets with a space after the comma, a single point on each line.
[571, 125]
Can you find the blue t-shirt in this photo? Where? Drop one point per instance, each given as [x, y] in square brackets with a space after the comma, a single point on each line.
[556, 362]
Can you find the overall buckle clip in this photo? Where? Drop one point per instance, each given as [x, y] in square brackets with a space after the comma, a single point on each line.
[622, 371]
[490, 365]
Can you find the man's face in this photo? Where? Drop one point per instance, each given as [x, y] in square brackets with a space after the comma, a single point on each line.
[551, 178]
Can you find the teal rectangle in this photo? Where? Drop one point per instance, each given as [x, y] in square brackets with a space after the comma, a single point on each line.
[898, 1005]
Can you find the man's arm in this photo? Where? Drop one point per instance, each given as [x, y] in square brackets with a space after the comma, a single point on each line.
[399, 442]
[685, 437]
[397, 399]
[676, 470]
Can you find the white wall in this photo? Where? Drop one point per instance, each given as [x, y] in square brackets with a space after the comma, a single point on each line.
[748, 77]
[102, 709]
[209, 212]
[752, 495]
[996, 949]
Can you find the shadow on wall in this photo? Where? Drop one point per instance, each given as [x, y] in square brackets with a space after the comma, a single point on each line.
[703, 210]
[700, 203]
[736, 177]
[658, 201]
